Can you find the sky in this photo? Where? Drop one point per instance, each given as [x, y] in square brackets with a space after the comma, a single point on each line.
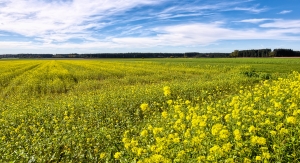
[100, 26]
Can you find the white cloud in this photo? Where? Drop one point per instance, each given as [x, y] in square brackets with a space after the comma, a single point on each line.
[285, 12]
[253, 9]
[202, 34]
[253, 20]
[282, 24]
[57, 19]
[215, 5]
[50, 24]
[15, 44]
[194, 34]
[169, 16]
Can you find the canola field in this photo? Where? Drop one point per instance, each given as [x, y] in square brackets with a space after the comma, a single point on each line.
[150, 110]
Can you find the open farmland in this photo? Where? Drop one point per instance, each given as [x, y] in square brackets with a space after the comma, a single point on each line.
[150, 110]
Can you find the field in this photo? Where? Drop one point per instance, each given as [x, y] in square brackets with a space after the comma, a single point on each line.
[150, 110]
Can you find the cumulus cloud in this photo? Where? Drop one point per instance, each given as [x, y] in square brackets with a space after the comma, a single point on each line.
[57, 19]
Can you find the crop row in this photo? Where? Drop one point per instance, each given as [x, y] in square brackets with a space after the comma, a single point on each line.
[81, 110]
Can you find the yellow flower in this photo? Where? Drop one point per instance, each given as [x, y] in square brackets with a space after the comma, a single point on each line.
[127, 145]
[273, 133]
[187, 134]
[267, 121]
[210, 158]
[291, 120]
[125, 140]
[181, 115]
[153, 148]
[196, 140]
[258, 140]
[126, 133]
[157, 130]
[158, 158]
[139, 151]
[181, 153]
[167, 91]
[201, 158]
[224, 134]
[134, 142]
[229, 160]
[171, 136]
[266, 155]
[176, 140]
[227, 147]
[258, 158]
[261, 141]
[187, 102]
[237, 134]
[252, 129]
[279, 126]
[117, 155]
[150, 127]
[239, 144]
[264, 148]
[247, 160]
[278, 105]
[102, 155]
[279, 114]
[187, 117]
[164, 114]
[144, 107]
[202, 123]
[216, 128]
[283, 131]
[227, 117]
[144, 133]
[216, 150]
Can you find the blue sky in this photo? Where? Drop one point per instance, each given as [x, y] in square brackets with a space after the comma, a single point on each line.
[92, 26]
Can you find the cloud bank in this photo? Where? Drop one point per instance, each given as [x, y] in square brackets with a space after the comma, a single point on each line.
[128, 24]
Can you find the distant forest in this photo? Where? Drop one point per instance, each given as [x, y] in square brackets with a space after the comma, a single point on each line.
[236, 53]
[265, 53]
[120, 55]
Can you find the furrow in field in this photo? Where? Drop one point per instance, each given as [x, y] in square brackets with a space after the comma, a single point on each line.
[98, 70]
[8, 76]
[14, 85]
[11, 66]
[48, 77]
[97, 74]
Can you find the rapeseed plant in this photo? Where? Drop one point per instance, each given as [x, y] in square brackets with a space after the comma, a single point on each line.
[92, 111]
[208, 132]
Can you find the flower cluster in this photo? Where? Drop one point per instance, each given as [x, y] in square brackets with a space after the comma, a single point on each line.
[249, 126]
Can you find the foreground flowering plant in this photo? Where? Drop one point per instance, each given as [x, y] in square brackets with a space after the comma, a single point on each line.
[260, 124]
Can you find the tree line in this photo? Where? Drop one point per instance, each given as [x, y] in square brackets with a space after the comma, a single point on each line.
[265, 53]
[121, 55]
[236, 53]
